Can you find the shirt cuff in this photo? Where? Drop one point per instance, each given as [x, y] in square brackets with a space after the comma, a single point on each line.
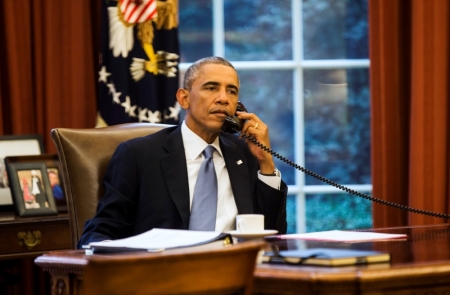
[273, 181]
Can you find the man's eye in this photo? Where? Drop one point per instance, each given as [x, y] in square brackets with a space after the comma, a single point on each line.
[234, 92]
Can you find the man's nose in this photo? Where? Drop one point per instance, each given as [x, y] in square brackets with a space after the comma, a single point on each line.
[223, 96]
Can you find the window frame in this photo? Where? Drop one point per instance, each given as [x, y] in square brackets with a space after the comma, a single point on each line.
[297, 65]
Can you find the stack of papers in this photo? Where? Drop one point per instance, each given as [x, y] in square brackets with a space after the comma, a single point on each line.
[158, 239]
[344, 236]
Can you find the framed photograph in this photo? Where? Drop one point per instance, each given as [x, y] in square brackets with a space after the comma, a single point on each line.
[31, 189]
[54, 175]
[15, 145]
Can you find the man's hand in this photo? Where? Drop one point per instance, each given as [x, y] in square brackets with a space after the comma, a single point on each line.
[256, 128]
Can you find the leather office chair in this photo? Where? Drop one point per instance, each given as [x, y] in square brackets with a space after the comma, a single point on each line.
[226, 270]
[84, 155]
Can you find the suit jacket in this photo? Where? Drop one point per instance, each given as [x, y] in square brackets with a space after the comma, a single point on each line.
[146, 186]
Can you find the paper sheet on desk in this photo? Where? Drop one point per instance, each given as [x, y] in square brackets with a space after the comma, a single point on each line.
[344, 236]
[160, 239]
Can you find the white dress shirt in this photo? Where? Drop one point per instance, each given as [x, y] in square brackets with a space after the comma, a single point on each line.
[226, 206]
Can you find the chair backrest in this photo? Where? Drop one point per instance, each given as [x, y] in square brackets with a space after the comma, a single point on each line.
[84, 155]
[228, 270]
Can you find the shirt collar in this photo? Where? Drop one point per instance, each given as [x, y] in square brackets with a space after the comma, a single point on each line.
[194, 144]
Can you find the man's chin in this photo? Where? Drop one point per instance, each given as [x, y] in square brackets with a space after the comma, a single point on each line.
[216, 128]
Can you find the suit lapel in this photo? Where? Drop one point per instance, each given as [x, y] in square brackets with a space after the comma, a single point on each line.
[172, 163]
[235, 162]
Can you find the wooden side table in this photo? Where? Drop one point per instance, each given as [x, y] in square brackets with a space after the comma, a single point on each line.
[23, 239]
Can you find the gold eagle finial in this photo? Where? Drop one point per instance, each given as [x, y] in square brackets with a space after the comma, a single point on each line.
[167, 14]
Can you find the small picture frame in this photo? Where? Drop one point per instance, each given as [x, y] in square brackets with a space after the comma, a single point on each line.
[31, 189]
[15, 145]
[54, 175]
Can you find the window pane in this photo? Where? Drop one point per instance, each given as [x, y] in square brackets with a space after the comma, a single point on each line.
[337, 211]
[258, 30]
[268, 94]
[291, 212]
[335, 29]
[337, 125]
[195, 30]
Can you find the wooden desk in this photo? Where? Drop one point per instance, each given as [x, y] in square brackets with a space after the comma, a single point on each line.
[420, 265]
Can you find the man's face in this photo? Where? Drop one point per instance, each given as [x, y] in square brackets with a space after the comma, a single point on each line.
[212, 97]
[53, 179]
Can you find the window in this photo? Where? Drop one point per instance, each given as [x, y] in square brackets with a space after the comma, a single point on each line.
[303, 67]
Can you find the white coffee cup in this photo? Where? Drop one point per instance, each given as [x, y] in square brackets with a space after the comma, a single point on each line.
[250, 223]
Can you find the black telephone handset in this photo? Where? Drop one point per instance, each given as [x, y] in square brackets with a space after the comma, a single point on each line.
[233, 125]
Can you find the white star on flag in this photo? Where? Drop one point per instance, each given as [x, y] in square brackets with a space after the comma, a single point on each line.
[174, 111]
[116, 96]
[142, 115]
[111, 87]
[154, 117]
[129, 109]
[103, 75]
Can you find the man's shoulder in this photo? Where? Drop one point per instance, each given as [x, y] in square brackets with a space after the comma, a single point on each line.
[156, 137]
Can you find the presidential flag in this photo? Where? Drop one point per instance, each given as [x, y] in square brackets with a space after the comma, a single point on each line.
[138, 73]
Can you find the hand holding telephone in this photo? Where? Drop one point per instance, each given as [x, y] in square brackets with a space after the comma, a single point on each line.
[233, 125]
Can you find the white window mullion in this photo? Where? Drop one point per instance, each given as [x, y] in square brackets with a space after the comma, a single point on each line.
[329, 189]
[335, 64]
[266, 65]
[299, 141]
[218, 28]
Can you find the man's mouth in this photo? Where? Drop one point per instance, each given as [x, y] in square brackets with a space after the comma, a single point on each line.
[218, 112]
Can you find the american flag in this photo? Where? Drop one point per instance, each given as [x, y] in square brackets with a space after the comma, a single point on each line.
[138, 71]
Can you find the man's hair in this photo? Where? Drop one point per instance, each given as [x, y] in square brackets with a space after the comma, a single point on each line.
[192, 72]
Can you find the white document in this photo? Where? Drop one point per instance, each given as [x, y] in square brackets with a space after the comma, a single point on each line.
[343, 236]
[158, 240]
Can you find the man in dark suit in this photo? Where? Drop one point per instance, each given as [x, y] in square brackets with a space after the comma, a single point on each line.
[149, 182]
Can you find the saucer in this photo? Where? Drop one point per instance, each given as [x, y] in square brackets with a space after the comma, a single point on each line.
[255, 235]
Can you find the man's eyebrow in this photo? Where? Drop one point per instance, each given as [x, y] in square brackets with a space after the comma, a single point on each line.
[234, 87]
[213, 83]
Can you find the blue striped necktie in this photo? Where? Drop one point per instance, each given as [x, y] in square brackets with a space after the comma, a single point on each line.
[204, 202]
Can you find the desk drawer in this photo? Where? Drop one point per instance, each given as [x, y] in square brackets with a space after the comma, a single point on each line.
[34, 237]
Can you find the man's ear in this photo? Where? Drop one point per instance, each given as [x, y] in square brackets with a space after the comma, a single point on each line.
[182, 98]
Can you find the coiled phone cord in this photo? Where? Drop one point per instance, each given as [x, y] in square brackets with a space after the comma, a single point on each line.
[346, 189]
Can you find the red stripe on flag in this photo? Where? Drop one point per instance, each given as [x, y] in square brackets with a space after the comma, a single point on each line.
[133, 13]
[125, 4]
[144, 10]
